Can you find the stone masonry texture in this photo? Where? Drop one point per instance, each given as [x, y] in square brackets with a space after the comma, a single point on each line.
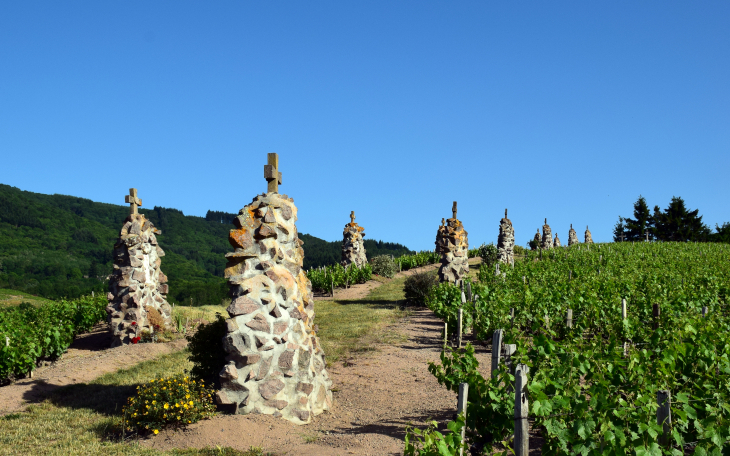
[547, 236]
[353, 247]
[276, 365]
[556, 242]
[572, 236]
[137, 287]
[506, 240]
[453, 244]
[588, 237]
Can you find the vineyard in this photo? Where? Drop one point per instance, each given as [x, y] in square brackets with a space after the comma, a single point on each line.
[599, 371]
[31, 333]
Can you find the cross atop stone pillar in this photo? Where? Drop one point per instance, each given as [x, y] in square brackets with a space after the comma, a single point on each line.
[443, 222]
[272, 174]
[545, 220]
[453, 210]
[505, 213]
[133, 201]
[352, 217]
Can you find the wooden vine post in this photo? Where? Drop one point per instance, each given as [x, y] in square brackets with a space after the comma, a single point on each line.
[569, 319]
[623, 317]
[664, 416]
[522, 427]
[496, 349]
[655, 311]
[461, 409]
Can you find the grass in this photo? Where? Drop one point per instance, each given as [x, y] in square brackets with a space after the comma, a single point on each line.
[10, 298]
[82, 419]
[350, 327]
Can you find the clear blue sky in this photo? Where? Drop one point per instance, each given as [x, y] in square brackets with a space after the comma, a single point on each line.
[564, 110]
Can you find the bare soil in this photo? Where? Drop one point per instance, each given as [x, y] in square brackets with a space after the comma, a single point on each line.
[88, 357]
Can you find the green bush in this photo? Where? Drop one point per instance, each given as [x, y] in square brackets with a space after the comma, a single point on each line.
[384, 266]
[489, 254]
[430, 442]
[519, 250]
[417, 287]
[175, 401]
[206, 349]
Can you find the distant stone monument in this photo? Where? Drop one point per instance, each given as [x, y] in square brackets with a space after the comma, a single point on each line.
[572, 236]
[537, 241]
[547, 236]
[506, 240]
[276, 365]
[454, 248]
[588, 237]
[556, 242]
[353, 247]
[440, 233]
[137, 287]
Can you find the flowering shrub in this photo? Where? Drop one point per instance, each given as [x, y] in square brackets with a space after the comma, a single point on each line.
[176, 401]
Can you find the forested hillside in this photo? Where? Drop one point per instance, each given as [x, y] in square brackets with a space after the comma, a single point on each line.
[61, 246]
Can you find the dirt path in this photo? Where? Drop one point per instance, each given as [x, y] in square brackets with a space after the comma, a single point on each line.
[361, 290]
[376, 397]
[87, 359]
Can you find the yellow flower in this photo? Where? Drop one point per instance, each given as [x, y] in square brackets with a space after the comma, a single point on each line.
[135, 414]
[156, 432]
[166, 406]
[154, 402]
[188, 421]
[191, 403]
[187, 396]
[178, 417]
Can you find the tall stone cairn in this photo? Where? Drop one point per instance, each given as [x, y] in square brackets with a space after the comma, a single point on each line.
[537, 239]
[137, 287]
[506, 240]
[276, 365]
[440, 234]
[556, 242]
[588, 237]
[353, 248]
[454, 248]
[547, 236]
[572, 236]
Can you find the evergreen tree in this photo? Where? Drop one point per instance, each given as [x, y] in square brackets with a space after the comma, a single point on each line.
[618, 229]
[722, 233]
[679, 224]
[642, 221]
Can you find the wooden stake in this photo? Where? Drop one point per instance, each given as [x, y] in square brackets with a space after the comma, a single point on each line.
[446, 333]
[655, 313]
[704, 311]
[496, 351]
[461, 409]
[512, 315]
[664, 416]
[522, 427]
[460, 327]
[569, 319]
[623, 308]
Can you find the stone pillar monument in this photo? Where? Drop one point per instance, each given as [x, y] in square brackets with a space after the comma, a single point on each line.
[440, 234]
[353, 248]
[588, 237]
[556, 242]
[454, 248]
[276, 365]
[547, 236]
[537, 239]
[572, 236]
[137, 287]
[506, 240]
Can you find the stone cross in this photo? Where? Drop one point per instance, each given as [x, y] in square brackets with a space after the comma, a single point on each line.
[505, 213]
[545, 220]
[453, 210]
[352, 217]
[623, 236]
[647, 235]
[272, 174]
[443, 222]
[133, 201]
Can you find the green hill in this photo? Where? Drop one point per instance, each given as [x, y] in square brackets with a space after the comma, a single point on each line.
[61, 246]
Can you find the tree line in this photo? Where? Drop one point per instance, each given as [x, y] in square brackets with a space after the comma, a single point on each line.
[676, 223]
